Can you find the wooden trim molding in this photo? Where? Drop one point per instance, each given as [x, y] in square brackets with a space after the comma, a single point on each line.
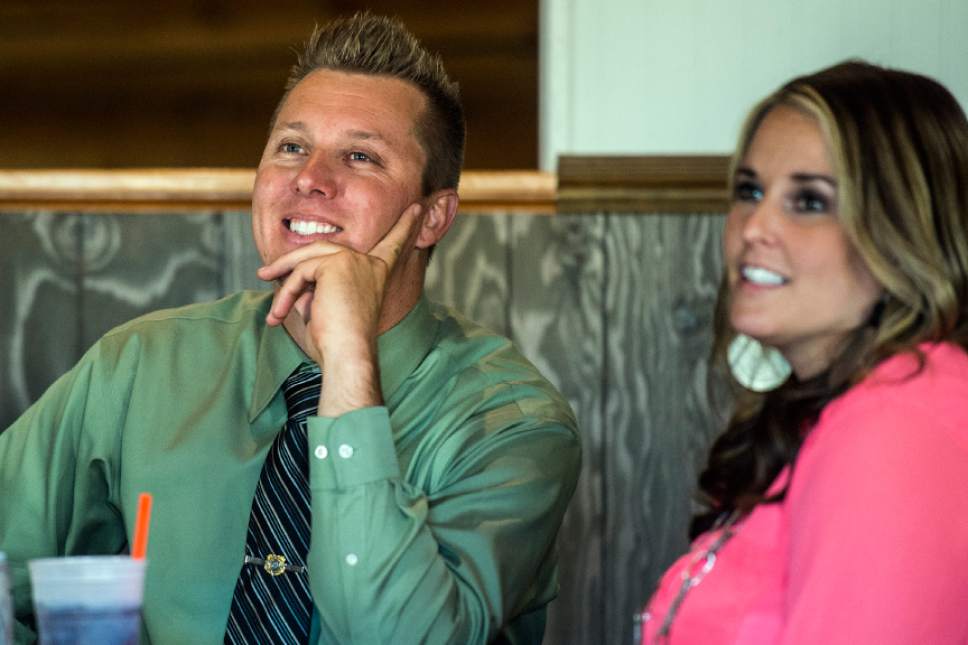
[640, 184]
[179, 189]
[126, 190]
[634, 185]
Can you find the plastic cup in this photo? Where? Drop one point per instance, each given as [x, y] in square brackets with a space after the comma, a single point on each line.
[6, 603]
[88, 600]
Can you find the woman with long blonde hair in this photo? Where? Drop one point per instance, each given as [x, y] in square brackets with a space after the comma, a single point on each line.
[837, 497]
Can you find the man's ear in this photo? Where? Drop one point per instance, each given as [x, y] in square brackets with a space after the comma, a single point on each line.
[441, 207]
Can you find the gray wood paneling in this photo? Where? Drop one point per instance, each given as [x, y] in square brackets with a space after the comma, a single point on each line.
[39, 332]
[240, 259]
[469, 269]
[662, 277]
[556, 320]
[133, 264]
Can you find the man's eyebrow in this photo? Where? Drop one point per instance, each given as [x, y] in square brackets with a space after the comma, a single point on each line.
[360, 135]
[745, 171]
[293, 125]
[365, 135]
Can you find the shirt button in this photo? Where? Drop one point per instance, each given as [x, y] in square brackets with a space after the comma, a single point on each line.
[351, 559]
[345, 451]
[321, 452]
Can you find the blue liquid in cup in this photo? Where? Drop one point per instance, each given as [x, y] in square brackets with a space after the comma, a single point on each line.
[77, 625]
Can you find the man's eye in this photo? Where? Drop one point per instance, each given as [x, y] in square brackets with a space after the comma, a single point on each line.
[291, 148]
[747, 191]
[810, 202]
[356, 155]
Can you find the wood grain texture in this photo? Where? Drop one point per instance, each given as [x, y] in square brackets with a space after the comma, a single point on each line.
[39, 331]
[161, 190]
[643, 184]
[662, 277]
[469, 270]
[195, 82]
[70, 277]
[240, 258]
[556, 313]
[128, 272]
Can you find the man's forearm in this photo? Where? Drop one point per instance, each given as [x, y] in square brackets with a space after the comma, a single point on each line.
[448, 559]
[351, 378]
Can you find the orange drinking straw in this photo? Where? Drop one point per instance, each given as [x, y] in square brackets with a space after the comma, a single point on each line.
[141, 525]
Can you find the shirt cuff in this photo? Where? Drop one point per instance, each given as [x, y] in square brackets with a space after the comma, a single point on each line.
[352, 449]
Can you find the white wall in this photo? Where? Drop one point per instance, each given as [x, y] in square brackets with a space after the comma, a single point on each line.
[677, 76]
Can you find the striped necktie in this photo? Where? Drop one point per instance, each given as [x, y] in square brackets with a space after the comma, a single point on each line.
[272, 602]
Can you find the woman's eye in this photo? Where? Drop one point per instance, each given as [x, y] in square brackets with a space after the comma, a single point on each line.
[810, 202]
[747, 191]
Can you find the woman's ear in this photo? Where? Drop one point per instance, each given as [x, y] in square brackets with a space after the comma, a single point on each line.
[441, 207]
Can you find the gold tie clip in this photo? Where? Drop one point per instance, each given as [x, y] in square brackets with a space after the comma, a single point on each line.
[274, 565]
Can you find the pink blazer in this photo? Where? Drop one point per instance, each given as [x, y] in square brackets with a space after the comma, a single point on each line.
[870, 544]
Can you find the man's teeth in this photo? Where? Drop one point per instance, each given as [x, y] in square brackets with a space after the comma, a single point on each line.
[759, 275]
[308, 227]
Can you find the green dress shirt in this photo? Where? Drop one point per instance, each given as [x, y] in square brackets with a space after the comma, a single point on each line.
[433, 518]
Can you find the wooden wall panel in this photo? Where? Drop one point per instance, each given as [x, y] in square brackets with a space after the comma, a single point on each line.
[39, 334]
[194, 82]
[662, 276]
[469, 269]
[240, 259]
[134, 264]
[557, 273]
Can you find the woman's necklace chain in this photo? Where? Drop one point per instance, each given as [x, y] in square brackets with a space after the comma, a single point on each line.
[692, 576]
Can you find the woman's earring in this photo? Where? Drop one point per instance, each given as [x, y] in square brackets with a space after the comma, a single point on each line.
[755, 366]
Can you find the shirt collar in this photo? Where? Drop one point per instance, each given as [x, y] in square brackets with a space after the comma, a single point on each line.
[402, 347]
[400, 350]
[278, 357]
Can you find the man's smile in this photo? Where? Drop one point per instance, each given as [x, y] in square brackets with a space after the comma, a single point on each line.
[310, 227]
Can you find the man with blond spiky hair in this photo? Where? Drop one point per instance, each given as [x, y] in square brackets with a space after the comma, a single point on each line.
[337, 460]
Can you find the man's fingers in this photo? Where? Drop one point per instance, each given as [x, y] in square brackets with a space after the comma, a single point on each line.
[297, 271]
[290, 291]
[403, 232]
[285, 263]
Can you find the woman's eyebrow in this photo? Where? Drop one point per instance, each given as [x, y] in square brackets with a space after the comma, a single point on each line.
[808, 177]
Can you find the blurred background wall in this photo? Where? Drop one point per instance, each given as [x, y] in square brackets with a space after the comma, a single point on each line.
[677, 76]
[115, 83]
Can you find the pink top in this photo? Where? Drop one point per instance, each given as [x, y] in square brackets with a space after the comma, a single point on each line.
[870, 544]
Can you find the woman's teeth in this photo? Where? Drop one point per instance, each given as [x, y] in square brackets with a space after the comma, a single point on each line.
[308, 227]
[759, 275]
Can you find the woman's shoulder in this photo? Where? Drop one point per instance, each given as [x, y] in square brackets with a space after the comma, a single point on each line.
[932, 382]
[932, 363]
[890, 452]
[905, 401]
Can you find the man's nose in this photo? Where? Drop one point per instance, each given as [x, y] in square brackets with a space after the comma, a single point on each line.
[317, 178]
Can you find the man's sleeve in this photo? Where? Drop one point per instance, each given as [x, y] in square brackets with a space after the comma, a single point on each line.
[55, 486]
[392, 562]
[879, 530]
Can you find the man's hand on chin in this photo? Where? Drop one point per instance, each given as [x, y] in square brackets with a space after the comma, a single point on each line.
[330, 298]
